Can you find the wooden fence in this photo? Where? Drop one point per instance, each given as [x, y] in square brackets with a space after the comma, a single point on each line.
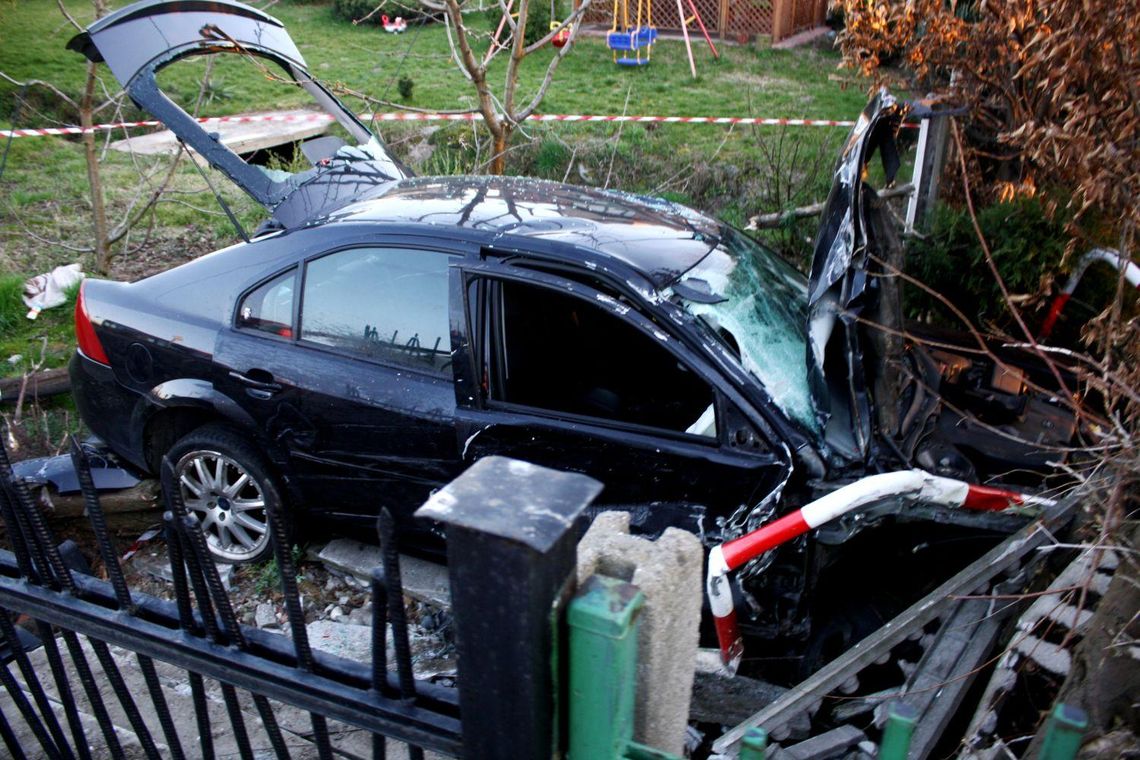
[738, 20]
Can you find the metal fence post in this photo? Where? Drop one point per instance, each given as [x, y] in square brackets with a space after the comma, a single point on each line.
[1063, 735]
[754, 744]
[511, 552]
[603, 667]
[897, 733]
[930, 157]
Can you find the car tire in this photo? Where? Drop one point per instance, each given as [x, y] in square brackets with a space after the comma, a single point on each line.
[224, 481]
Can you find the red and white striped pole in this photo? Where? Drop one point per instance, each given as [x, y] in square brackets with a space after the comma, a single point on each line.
[913, 485]
[1107, 255]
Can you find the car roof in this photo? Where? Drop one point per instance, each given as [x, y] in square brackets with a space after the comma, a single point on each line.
[660, 239]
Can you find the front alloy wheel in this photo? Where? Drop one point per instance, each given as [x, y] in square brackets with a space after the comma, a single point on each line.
[229, 503]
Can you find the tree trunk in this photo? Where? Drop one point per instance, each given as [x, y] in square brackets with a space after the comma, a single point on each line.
[94, 179]
[501, 139]
[1104, 678]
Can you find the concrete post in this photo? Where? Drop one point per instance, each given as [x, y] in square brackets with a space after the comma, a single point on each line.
[668, 571]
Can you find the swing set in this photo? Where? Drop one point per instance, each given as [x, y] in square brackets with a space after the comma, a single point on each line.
[628, 41]
[632, 40]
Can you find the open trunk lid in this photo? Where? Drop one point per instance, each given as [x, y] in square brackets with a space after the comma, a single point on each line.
[138, 41]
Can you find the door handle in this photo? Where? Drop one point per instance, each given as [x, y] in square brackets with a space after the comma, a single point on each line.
[264, 386]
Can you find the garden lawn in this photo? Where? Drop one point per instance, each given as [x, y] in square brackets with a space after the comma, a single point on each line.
[732, 172]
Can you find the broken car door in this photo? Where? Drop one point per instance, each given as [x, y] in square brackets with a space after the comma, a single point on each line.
[570, 377]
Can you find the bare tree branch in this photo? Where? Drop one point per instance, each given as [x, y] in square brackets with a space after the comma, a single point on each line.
[130, 221]
[66, 15]
[1010, 305]
[40, 83]
[780, 218]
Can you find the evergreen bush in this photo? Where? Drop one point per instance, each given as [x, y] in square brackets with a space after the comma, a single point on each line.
[1025, 242]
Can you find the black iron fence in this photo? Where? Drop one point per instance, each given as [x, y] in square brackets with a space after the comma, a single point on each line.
[255, 693]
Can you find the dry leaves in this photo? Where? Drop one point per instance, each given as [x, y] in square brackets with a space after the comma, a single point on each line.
[1058, 81]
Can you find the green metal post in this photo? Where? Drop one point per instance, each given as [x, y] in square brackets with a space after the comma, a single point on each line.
[754, 744]
[603, 662]
[896, 734]
[1064, 732]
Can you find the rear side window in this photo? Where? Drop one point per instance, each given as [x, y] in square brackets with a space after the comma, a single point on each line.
[388, 304]
[269, 307]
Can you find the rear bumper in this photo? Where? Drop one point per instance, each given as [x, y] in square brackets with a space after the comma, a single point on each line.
[106, 407]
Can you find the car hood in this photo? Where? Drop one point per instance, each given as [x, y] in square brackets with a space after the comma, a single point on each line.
[840, 286]
[141, 39]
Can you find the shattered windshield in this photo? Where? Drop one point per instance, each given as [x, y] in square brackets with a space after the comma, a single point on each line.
[757, 305]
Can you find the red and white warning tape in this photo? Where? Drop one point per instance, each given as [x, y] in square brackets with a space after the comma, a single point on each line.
[913, 485]
[412, 116]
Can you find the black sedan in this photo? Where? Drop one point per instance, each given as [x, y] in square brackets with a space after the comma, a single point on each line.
[381, 332]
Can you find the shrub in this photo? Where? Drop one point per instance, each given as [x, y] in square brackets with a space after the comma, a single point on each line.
[405, 85]
[1025, 243]
[538, 21]
[354, 10]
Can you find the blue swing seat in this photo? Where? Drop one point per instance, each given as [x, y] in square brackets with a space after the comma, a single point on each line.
[634, 39]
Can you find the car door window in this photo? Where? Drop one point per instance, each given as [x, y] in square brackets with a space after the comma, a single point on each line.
[560, 353]
[269, 307]
[387, 304]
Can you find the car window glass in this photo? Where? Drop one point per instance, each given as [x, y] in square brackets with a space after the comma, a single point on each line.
[388, 304]
[563, 354]
[269, 307]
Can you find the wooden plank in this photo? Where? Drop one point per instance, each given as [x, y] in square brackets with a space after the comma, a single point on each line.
[946, 672]
[240, 137]
[801, 698]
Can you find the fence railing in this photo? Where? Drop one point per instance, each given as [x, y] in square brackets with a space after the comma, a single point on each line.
[110, 662]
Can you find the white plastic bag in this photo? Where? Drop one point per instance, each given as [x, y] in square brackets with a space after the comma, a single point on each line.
[47, 290]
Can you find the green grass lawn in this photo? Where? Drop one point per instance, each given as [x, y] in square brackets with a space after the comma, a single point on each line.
[746, 79]
[44, 203]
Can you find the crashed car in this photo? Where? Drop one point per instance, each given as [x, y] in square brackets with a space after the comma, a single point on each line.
[381, 332]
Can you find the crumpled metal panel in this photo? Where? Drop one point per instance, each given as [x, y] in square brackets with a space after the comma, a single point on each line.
[839, 280]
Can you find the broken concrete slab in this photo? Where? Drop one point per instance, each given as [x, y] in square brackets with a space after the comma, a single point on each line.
[265, 616]
[424, 581]
[352, 642]
[257, 132]
[668, 572]
[158, 566]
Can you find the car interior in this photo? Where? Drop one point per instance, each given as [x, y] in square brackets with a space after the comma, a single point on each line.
[558, 352]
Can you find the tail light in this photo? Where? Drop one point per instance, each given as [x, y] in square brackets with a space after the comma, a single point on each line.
[89, 344]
